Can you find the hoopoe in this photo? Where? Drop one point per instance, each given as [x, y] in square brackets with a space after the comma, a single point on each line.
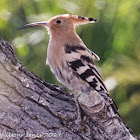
[69, 59]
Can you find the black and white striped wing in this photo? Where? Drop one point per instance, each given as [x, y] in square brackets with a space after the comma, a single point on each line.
[81, 61]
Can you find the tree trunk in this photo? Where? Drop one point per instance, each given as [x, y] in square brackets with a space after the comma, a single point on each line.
[30, 108]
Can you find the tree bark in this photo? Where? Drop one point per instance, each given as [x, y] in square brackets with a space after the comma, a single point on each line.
[30, 108]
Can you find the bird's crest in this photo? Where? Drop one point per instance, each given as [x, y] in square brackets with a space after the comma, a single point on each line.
[82, 20]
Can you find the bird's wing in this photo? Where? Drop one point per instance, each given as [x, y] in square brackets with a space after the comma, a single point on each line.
[93, 55]
[81, 60]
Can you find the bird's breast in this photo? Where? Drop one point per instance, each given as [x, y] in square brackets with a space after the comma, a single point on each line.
[56, 60]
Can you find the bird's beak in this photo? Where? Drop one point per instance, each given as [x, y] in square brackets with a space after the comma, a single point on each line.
[78, 20]
[45, 23]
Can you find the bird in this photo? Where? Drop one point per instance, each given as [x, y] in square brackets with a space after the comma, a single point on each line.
[69, 59]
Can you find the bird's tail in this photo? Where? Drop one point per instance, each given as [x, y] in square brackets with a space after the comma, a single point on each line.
[109, 101]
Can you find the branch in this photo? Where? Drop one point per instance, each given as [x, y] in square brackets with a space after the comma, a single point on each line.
[31, 108]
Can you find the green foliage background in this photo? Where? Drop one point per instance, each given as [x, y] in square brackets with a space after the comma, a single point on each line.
[115, 38]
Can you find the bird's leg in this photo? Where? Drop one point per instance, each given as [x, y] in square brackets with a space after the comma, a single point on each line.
[78, 120]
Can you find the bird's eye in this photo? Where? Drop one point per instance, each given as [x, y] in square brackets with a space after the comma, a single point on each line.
[58, 21]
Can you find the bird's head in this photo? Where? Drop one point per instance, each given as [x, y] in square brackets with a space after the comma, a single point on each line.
[64, 22]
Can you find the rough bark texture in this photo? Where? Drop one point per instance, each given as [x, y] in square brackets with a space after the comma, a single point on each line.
[30, 108]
